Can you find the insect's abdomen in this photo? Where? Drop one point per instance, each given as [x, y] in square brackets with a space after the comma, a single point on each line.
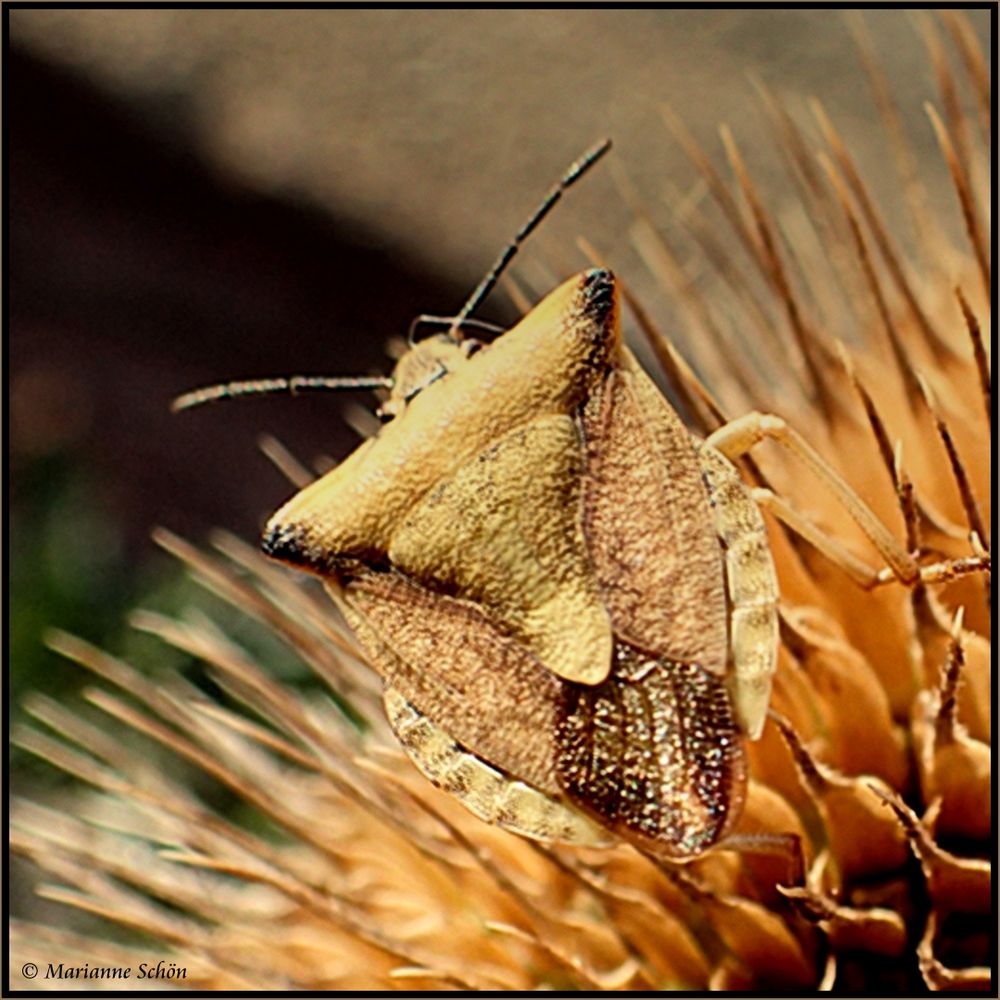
[484, 790]
[751, 586]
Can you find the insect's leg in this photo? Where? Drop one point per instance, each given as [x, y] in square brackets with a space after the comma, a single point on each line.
[864, 575]
[856, 568]
[781, 845]
[942, 572]
[737, 438]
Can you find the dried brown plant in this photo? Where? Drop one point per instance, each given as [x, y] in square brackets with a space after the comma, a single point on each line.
[875, 345]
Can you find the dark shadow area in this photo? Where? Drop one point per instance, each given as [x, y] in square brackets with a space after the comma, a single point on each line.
[136, 273]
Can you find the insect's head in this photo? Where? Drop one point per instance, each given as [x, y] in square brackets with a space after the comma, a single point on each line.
[426, 362]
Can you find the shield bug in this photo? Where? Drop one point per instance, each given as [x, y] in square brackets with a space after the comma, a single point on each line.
[569, 597]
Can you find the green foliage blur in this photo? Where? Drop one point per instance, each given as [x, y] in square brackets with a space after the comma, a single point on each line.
[71, 570]
[66, 571]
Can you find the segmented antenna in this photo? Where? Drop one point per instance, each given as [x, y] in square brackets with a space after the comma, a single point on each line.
[321, 383]
[577, 170]
[424, 319]
[272, 386]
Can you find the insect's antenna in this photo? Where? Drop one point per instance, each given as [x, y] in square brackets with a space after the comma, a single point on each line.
[425, 320]
[577, 170]
[272, 386]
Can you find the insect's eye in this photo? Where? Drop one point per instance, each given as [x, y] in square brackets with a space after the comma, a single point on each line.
[383, 415]
[438, 373]
[470, 347]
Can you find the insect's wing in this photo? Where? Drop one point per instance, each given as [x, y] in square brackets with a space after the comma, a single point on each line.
[655, 753]
[449, 661]
[648, 524]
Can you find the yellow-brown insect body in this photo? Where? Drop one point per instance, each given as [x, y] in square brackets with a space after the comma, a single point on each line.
[530, 555]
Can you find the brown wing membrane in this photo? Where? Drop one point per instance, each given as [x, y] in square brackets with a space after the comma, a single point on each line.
[647, 519]
[446, 658]
[654, 752]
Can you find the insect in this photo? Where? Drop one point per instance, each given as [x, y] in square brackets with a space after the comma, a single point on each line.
[570, 598]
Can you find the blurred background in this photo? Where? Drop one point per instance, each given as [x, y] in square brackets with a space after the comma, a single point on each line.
[196, 195]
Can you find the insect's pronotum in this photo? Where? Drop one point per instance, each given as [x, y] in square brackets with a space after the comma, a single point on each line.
[569, 597]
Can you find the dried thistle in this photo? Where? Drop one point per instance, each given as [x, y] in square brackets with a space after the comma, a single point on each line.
[349, 871]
